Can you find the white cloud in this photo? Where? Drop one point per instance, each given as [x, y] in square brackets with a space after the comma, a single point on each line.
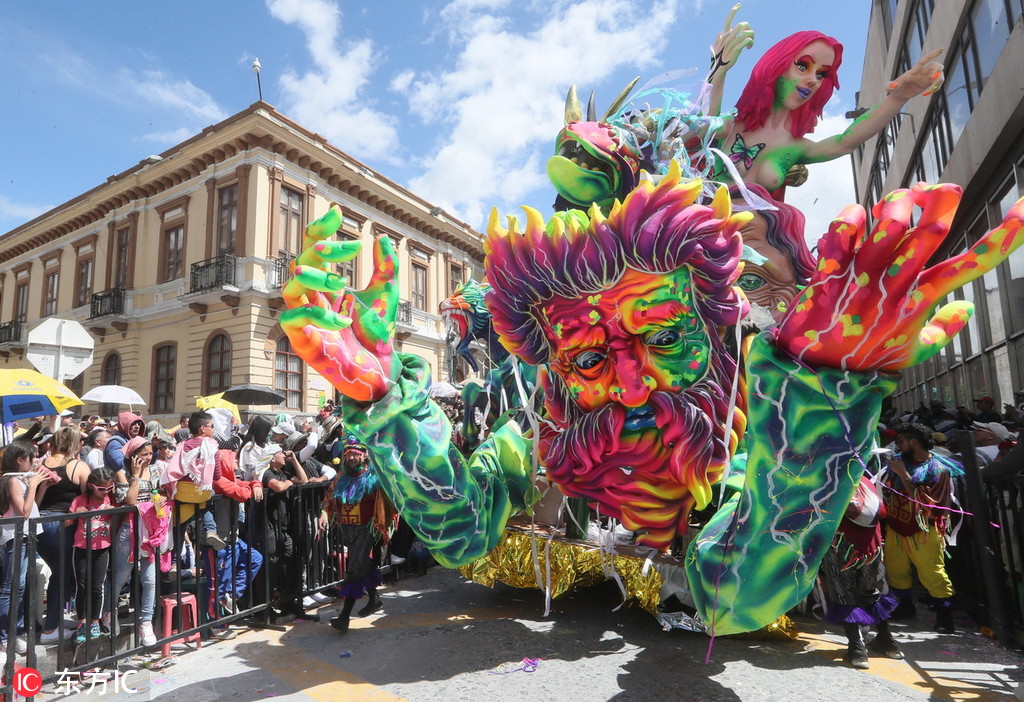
[505, 90]
[829, 186]
[176, 98]
[11, 210]
[327, 98]
[169, 138]
[181, 96]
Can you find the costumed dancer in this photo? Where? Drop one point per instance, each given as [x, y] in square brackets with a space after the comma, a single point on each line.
[356, 504]
[918, 494]
[852, 580]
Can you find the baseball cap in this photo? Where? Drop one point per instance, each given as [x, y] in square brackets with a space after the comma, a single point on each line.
[985, 398]
[285, 429]
[1001, 432]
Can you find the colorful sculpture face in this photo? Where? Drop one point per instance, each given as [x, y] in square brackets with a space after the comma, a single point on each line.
[805, 75]
[639, 380]
[759, 95]
[467, 312]
[592, 164]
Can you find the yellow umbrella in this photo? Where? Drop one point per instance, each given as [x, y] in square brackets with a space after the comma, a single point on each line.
[211, 401]
[27, 393]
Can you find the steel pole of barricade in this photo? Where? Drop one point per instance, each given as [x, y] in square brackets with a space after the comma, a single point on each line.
[983, 540]
[12, 610]
[1009, 516]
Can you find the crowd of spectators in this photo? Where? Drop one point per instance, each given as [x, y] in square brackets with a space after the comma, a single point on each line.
[201, 507]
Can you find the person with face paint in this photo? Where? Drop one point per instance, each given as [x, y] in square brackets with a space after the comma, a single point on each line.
[356, 505]
[784, 98]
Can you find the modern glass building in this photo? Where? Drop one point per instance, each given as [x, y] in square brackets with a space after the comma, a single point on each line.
[971, 132]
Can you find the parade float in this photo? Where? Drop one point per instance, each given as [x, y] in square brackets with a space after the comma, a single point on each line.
[714, 451]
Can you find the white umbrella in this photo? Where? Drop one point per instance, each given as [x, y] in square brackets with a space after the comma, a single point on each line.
[443, 389]
[115, 395]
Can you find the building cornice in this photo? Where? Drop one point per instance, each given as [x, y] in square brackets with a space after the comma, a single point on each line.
[256, 127]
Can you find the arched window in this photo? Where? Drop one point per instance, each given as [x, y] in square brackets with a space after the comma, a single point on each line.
[165, 359]
[218, 364]
[112, 369]
[110, 375]
[288, 374]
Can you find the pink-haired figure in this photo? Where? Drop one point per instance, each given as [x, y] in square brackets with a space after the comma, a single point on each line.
[784, 98]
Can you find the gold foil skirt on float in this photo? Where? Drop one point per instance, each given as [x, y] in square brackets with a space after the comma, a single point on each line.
[537, 558]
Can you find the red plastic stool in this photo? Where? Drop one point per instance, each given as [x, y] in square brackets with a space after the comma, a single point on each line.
[190, 618]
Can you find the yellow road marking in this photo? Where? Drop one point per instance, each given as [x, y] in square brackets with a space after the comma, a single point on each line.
[324, 681]
[905, 673]
[404, 621]
[316, 678]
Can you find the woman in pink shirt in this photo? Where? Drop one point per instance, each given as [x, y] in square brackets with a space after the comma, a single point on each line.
[92, 551]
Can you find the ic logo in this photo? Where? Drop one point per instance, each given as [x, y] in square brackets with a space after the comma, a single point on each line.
[27, 682]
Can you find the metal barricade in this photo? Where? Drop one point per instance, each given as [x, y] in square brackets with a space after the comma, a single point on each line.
[244, 527]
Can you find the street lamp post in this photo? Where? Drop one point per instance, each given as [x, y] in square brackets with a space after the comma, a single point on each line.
[256, 66]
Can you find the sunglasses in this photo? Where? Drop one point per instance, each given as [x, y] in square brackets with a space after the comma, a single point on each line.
[108, 488]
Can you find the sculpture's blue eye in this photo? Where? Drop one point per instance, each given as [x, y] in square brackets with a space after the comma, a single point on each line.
[749, 282]
[663, 338]
[588, 360]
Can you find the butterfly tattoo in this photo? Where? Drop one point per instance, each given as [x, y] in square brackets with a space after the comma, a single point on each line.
[741, 153]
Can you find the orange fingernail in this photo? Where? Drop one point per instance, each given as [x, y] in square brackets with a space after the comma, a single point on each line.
[935, 76]
[892, 85]
[926, 93]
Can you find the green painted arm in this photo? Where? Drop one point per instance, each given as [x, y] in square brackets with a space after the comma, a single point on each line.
[758, 556]
[457, 506]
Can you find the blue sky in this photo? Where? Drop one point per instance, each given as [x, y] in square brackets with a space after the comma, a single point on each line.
[459, 101]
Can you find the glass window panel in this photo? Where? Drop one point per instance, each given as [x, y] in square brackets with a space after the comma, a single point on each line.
[960, 389]
[978, 378]
[227, 218]
[1018, 357]
[991, 31]
[173, 255]
[1003, 376]
[913, 43]
[958, 104]
[288, 376]
[163, 377]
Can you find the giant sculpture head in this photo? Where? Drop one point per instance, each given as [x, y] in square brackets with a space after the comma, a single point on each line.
[625, 313]
[466, 314]
[785, 264]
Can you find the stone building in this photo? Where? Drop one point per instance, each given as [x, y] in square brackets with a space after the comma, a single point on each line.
[176, 265]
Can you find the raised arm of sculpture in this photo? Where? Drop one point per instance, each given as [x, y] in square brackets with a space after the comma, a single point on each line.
[457, 507]
[816, 392]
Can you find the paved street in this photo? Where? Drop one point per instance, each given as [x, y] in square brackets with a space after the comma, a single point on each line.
[442, 638]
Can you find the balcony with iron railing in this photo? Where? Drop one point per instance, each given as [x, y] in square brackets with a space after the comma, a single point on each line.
[212, 280]
[278, 271]
[404, 312]
[11, 334]
[108, 302]
[404, 325]
[213, 273]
